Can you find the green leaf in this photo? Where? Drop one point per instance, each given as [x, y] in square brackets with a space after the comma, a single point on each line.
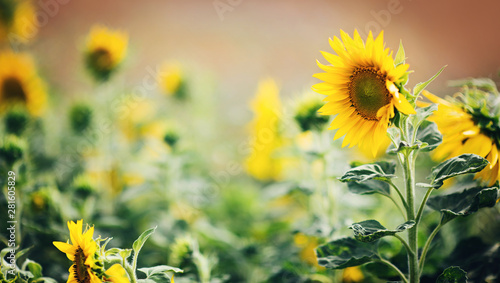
[372, 230]
[137, 245]
[44, 279]
[422, 114]
[159, 269]
[421, 86]
[429, 135]
[369, 187]
[453, 274]
[345, 252]
[463, 164]
[370, 171]
[463, 203]
[400, 55]
[33, 267]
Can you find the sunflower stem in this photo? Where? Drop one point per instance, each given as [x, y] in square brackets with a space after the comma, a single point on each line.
[427, 245]
[422, 205]
[388, 263]
[130, 271]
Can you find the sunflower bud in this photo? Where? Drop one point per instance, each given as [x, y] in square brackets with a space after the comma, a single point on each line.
[12, 150]
[16, 122]
[171, 138]
[80, 117]
[307, 116]
[181, 253]
[83, 187]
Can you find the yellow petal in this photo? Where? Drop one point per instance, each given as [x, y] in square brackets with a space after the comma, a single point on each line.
[399, 100]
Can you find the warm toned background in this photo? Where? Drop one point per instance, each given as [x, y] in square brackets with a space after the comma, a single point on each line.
[280, 39]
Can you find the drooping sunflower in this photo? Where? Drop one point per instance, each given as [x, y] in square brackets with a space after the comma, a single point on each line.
[105, 50]
[81, 252]
[362, 87]
[470, 126]
[20, 84]
[266, 139]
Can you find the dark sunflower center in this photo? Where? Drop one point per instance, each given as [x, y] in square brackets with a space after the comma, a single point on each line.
[101, 59]
[368, 92]
[79, 267]
[13, 91]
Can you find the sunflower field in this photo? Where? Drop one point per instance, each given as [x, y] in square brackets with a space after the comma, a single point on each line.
[213, 165]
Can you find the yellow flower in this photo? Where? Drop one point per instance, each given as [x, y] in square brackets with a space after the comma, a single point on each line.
[18, 22]
[105, 50]
[462, 134]
[263, 163]
[171, 80]
[352, 274]
[116, 274]
[307, 245]
[81, 252]
[362, 90]
[20, 84]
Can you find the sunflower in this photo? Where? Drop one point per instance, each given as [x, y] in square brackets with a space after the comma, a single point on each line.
[116, 274]
[17, 21]
[262, 163]
[362, 87]
[468, 129]
[81, 252]
[19, 83]
[171, 80]
[105, 50]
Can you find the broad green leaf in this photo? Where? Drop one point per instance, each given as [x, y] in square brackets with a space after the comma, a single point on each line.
[44, 279]
[137, 245]
[463, 164]
[345, 252]
[463, 203]
[33, 267]
[421, 86]
[453, 274]
[369, 187]
[429, 135]
[372, 230]
[370, 171]
[159, 269]
[400, 55]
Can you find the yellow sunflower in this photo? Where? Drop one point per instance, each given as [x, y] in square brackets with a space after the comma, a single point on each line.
[116, 274]
[105, 50]
[262, 163]
[20, 84]
[81, 252]
[362, 87]
[171, 80]
[463, 132]
[18, 22]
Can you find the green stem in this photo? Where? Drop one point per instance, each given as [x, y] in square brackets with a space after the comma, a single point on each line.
[409, 174]
[427, 245]
[422, 205]
[405, 244]
[388, 263]
[130, 271]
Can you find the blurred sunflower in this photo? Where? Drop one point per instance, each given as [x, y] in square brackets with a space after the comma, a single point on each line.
[116, 274]
[469, 126]
[17, 21]
[263, 164]
[171, 80]
[105, 50]
[81, 252]
[362, 87]
[19, 83]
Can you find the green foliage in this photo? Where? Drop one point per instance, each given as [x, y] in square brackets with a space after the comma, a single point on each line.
[371, 230]
[429, 135]
[452, 274]
[421, 86]
[383, 171]
[346, 252]
[459, 165]
[463, 203]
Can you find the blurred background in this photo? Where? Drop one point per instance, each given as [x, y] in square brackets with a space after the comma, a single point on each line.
[241, 41]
